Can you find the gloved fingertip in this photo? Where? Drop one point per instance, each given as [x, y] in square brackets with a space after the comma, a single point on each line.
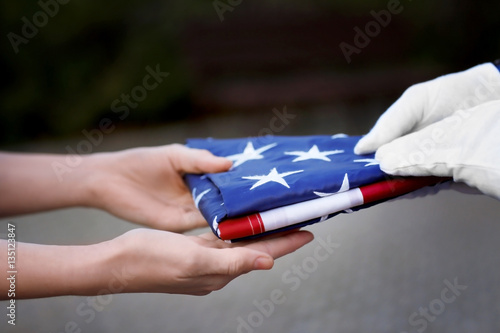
[361, 150]
[364, 146]
[390, 161]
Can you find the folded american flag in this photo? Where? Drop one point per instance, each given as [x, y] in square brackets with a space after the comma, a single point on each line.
[278, 183]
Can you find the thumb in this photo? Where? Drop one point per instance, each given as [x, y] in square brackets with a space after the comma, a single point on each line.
[240, 260]
[192, 160]
[399, 119]
[415, 154]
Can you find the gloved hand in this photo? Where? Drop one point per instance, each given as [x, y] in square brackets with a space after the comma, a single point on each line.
[425, 103]
[465, 146]
[453, 130]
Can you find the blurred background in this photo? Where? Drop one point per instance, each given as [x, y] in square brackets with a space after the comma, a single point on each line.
[240, 57]
[234, 66]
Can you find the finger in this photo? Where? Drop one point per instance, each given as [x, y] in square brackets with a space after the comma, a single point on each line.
[209, 236]
[234, 261]
[192, 160]
[212, 239]
[175, 218]
[191, 218]
[399, 119]
[279, 246]
[149, 211]
[416, 154]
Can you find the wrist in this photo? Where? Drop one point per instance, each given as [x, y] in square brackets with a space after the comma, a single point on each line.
[87, 269]
[90, 180]
[124, 263]
[51, 270]
[101, 270]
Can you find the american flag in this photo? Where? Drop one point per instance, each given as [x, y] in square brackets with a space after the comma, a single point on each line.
[278, 171]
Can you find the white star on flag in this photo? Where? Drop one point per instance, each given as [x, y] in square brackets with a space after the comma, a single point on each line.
[344, 187]
[198, 198]
[215, 225]
[368, 161]
[313, 153]
[249, 153]
[339, 136]
[272, 176]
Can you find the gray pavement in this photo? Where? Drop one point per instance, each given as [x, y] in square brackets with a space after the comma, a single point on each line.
[427, 264]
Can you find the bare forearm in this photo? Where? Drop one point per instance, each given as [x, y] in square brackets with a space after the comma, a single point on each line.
[49, 270]
[141, 185]
[141, 260]
[31, 182]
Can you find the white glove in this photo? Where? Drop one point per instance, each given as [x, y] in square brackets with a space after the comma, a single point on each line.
[465, 146]
[454, 130]
[425, 103]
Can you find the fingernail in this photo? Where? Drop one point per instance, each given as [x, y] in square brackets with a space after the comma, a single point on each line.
[263, 263]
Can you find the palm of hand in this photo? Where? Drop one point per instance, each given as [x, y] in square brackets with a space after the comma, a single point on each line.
[145, 186]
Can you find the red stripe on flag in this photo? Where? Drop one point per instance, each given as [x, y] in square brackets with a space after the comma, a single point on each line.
[241, 227]
[395, 187]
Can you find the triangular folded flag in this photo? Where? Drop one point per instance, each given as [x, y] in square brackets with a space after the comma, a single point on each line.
[278, 183]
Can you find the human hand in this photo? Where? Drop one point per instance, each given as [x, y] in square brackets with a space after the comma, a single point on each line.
[464, 145]
[164, 262]
[145, 185]
[143, 260]
[426, 103]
